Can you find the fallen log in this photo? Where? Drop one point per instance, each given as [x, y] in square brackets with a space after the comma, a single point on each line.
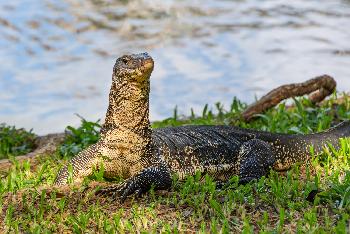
[318, 89]
[45, 145]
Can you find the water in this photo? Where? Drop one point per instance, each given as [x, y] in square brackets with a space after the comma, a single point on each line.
[56, 57]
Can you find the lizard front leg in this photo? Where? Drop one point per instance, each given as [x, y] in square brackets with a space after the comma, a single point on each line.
[158, 176]
[82, 165]
[255, 160]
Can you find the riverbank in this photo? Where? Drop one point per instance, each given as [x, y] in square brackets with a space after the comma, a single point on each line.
[308, 198]
[204, 51]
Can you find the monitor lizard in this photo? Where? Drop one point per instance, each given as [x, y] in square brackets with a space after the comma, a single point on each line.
[147, 157]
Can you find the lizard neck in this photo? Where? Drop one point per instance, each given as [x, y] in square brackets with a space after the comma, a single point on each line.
[127, 125]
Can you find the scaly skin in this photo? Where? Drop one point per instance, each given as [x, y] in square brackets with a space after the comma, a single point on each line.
[130, 149]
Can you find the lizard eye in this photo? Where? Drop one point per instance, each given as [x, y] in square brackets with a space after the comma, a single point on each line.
[125, 60]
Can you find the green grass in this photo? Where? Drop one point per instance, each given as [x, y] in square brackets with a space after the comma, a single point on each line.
[280, 203]
[79, 138]
[15, 141]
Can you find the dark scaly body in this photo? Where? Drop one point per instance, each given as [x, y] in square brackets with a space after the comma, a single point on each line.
[130, 149]
[188, 149]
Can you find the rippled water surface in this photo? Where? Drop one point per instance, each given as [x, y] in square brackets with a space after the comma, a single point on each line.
[57, 56]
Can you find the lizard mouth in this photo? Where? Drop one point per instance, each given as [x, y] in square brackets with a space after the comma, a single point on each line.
[147, 62]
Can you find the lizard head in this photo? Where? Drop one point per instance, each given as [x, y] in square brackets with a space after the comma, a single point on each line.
[133, 68]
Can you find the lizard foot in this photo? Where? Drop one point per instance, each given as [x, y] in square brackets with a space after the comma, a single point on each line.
[158, 176]
[256, 159]
[121, 191]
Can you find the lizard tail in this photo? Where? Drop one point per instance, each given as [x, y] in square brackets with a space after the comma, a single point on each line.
[297, 148]
[330, 136]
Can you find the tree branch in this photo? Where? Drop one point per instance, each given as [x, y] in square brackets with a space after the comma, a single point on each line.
[318, 89]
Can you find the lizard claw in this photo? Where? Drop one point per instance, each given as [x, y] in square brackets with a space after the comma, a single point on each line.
[132, 188]
[159, 177]
[121, 191]
[113, 191]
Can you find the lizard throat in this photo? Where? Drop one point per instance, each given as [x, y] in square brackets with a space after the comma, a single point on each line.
[127, 118]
